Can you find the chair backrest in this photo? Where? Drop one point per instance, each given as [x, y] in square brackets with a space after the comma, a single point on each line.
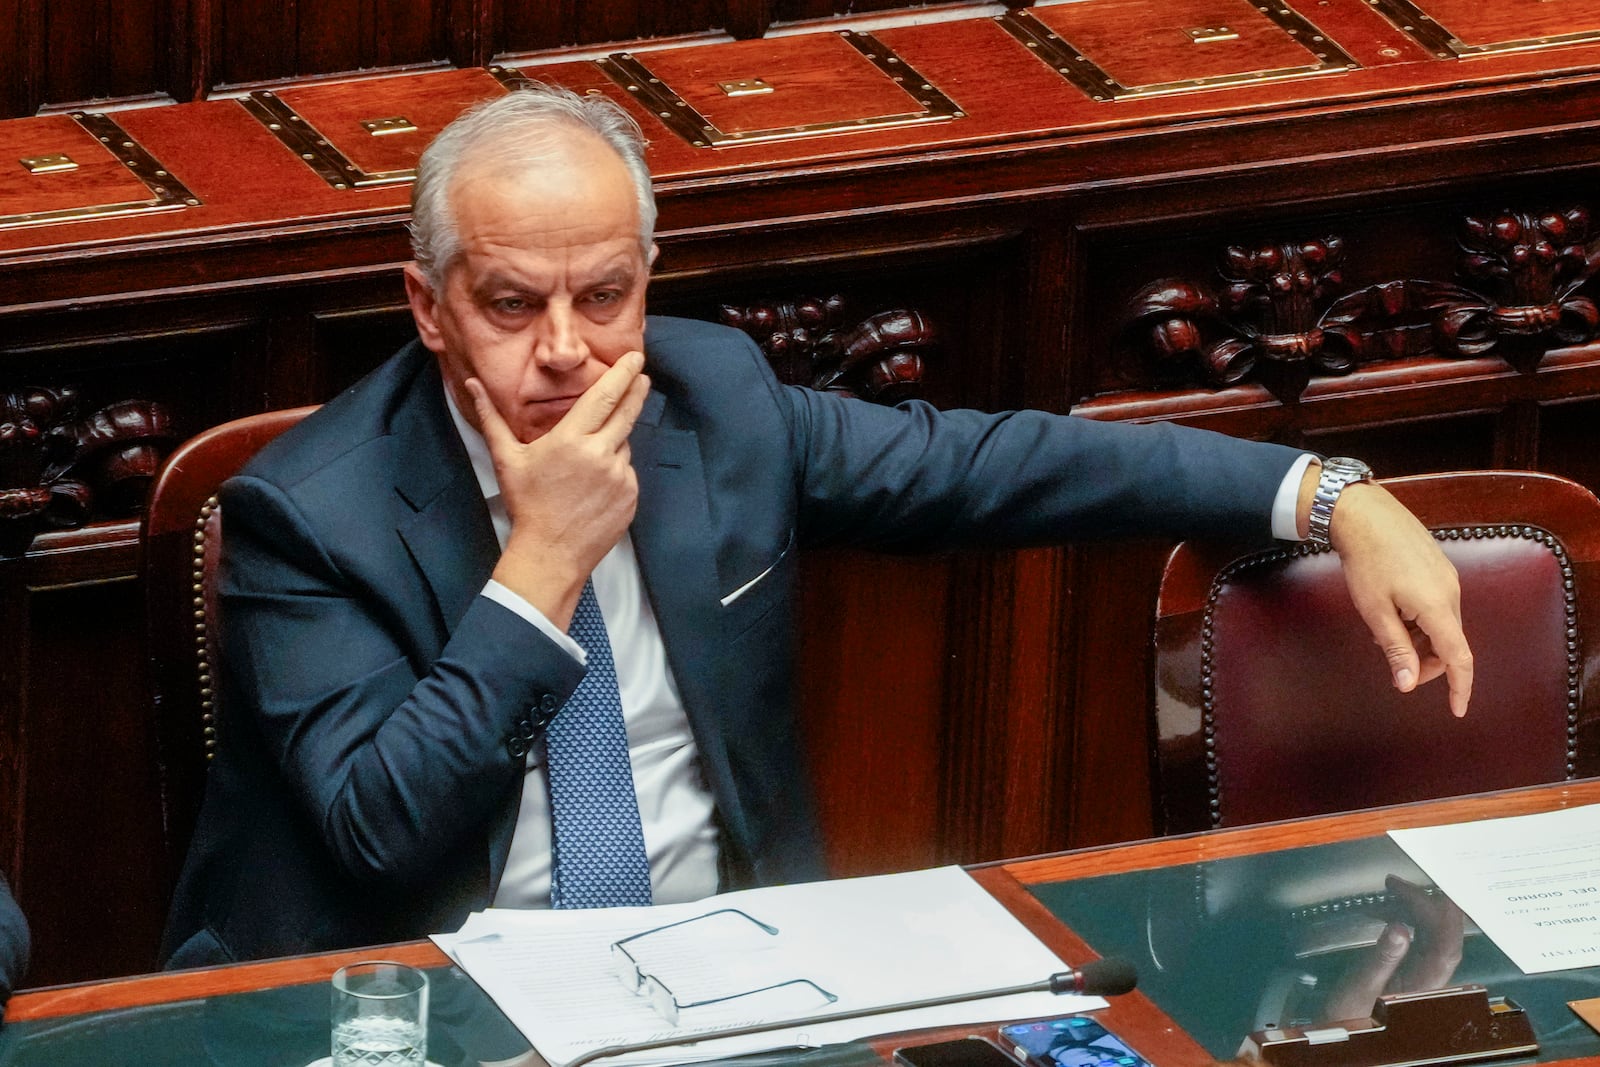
[182, 537]
[1272, 702]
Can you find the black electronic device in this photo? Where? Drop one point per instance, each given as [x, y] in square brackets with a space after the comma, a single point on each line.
[1075, 1041]
[962, 1052]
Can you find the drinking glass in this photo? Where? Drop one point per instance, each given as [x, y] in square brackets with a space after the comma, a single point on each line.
[380, 1015]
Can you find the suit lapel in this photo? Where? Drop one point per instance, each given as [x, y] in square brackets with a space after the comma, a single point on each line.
[451, 540]
[676, 545]
[449, 534]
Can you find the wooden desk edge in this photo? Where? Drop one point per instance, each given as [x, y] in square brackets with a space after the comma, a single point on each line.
[1150, 1030]
[169, 986]
[1296, 833]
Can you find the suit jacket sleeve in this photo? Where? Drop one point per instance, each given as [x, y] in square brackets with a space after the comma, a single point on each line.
[391, 747]
[913, 478]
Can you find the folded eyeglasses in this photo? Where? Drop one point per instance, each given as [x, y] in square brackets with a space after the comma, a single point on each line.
[661, 997]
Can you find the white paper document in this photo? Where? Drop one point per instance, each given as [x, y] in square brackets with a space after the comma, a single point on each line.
[1530, 882]
[865, 942]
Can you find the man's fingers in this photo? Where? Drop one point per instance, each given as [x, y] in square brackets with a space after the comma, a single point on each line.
[1392, 636]
[1450, 646]
[1367, 979]
[626, 413]
[495, 432]
[596, 406]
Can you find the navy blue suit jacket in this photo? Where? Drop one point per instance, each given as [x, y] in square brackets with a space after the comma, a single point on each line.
[363, 790]
[14, 943]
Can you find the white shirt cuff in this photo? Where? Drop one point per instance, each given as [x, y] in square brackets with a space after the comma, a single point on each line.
[514, 603]
[1286, 505]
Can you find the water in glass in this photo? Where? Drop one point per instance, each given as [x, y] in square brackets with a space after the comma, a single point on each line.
[378, 1041]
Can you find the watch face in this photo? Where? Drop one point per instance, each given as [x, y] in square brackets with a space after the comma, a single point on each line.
[1351, 468]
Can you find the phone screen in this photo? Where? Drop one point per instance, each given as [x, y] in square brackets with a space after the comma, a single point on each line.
[963, 1052]
[1076, 1041]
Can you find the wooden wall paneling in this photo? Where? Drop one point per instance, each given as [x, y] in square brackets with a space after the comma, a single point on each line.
[1416, 446]
[94, 50]
[748, 18]
[90, 817]
[1106, 795]
[202, 372]
[1567, 439]
[134, 48]
[534, 26]
[18, 43]
[1008, 736]
[333, 35]
[62, 54]
[473, 29]
[1009, 746]
[405, 32]
[804, 10]
[874, 638]
[350, 342]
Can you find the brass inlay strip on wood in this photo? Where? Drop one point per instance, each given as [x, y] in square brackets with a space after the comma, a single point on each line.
[630, 72]
[323, 156]
[1443, 43]
[167, 193]
[1075, 66]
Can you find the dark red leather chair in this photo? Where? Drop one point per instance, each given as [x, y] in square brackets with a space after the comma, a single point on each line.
[1272, 702]
[182, 536]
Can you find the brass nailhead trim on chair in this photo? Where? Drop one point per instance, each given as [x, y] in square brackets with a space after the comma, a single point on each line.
[202, 650]
[1462, 533]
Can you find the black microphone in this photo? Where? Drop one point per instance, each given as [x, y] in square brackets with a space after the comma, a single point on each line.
[1098, 978]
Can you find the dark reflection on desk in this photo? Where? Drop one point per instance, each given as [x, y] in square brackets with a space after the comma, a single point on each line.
[289, 1027]
[1297, 937]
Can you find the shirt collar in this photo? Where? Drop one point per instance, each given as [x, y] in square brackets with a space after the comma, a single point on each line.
[477, 449]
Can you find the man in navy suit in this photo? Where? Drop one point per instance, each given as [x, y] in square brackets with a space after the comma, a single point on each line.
[402, 570]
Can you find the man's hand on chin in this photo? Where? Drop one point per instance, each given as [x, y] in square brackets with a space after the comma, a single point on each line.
[571, 492]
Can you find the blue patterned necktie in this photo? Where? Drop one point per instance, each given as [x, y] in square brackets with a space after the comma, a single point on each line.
[597, 845]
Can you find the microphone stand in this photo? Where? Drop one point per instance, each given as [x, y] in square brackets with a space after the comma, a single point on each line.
[1062, 982]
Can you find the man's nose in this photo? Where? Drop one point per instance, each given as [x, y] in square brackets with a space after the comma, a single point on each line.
[560, 345]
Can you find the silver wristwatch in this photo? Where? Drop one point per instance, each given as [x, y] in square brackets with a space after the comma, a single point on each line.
[1337, 472]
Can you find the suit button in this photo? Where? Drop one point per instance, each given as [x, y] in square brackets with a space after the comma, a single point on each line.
[517, 747]
[525, 729]
[548, 703]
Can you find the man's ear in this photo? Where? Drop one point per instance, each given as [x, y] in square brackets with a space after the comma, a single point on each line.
[424, 308]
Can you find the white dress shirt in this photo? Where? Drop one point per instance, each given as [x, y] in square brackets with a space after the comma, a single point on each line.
[675, 806]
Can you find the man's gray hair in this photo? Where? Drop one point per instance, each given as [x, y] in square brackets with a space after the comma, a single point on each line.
[522, 128]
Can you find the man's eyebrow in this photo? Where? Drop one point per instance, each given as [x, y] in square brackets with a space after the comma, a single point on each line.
[496, 282]
[619, 274]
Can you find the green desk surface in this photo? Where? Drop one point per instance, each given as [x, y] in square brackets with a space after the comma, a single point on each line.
[289, 1027]
[1229, 946]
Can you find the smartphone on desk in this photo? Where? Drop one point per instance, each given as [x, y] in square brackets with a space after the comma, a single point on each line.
[962, 1052]
[1076, 1041]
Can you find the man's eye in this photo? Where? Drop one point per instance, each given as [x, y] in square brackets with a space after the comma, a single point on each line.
[510, 305]
[605, 296]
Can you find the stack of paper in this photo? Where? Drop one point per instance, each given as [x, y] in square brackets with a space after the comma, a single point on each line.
[1531, 882]
[867, 941]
